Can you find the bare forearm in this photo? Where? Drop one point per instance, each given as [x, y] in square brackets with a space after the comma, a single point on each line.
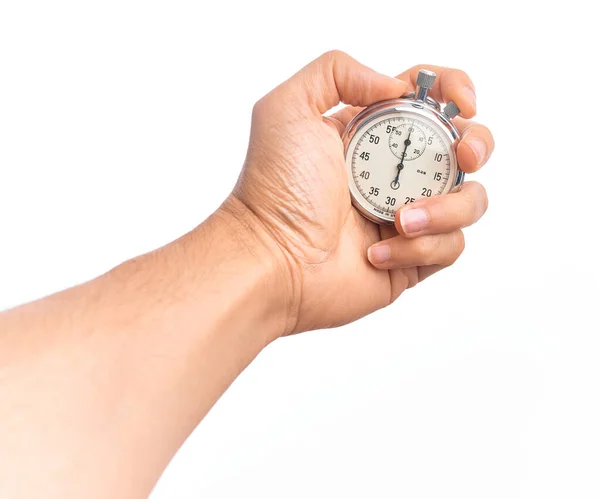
[100, 384]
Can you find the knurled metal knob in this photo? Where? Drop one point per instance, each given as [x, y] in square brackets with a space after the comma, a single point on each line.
[451, 110]
[425, 79]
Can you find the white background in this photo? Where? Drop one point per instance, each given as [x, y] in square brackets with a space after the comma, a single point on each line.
[123, 124]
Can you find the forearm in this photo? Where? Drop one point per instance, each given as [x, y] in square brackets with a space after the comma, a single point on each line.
[100, 384]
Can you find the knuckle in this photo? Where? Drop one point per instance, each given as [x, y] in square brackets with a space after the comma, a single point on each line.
[412, 278]
[259, 107]
[333, 55]
[426, 248]
[483, 130]
[470, 209]
[329, 65]
[458, 246]
[460, 74]
[473, 204]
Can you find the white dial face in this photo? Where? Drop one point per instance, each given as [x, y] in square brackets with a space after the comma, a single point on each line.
[398, 158]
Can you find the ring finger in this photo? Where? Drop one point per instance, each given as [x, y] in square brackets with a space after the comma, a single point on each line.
[400, 252]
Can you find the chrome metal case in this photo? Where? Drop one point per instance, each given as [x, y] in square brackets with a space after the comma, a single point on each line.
[428, 109]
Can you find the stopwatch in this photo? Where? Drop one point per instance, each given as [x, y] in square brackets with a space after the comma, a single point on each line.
[401, 150]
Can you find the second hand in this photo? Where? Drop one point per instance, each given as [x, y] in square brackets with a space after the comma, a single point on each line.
[407, 142]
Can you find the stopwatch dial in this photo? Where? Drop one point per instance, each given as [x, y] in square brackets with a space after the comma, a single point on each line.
[399, 158]
[407, 140]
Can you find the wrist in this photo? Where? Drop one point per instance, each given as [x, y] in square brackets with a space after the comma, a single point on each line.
[227, 278]
[276, 281]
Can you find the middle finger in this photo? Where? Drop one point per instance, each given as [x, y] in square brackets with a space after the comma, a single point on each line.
[442, 214]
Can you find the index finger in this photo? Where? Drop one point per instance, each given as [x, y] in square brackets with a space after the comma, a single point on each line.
[450, 85]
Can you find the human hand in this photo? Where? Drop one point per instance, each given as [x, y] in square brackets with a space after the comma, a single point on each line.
[293, 189]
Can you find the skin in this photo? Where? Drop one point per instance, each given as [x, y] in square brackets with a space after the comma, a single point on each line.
[101, 384]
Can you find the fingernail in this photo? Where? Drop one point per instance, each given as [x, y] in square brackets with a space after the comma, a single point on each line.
[413, 220]
[479, 149]
[470, 94]
[379, 254]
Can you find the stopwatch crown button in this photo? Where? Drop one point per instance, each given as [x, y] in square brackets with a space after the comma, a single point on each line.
[451, 110]
[425, 79]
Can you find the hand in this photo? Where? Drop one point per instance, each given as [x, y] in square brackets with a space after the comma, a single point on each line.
[294, 189]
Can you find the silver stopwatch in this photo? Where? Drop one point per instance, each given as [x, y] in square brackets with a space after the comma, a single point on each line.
[401, 150]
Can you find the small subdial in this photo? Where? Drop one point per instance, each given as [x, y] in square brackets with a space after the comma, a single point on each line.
[407, 139]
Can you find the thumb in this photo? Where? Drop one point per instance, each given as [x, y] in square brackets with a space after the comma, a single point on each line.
[336, 77]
